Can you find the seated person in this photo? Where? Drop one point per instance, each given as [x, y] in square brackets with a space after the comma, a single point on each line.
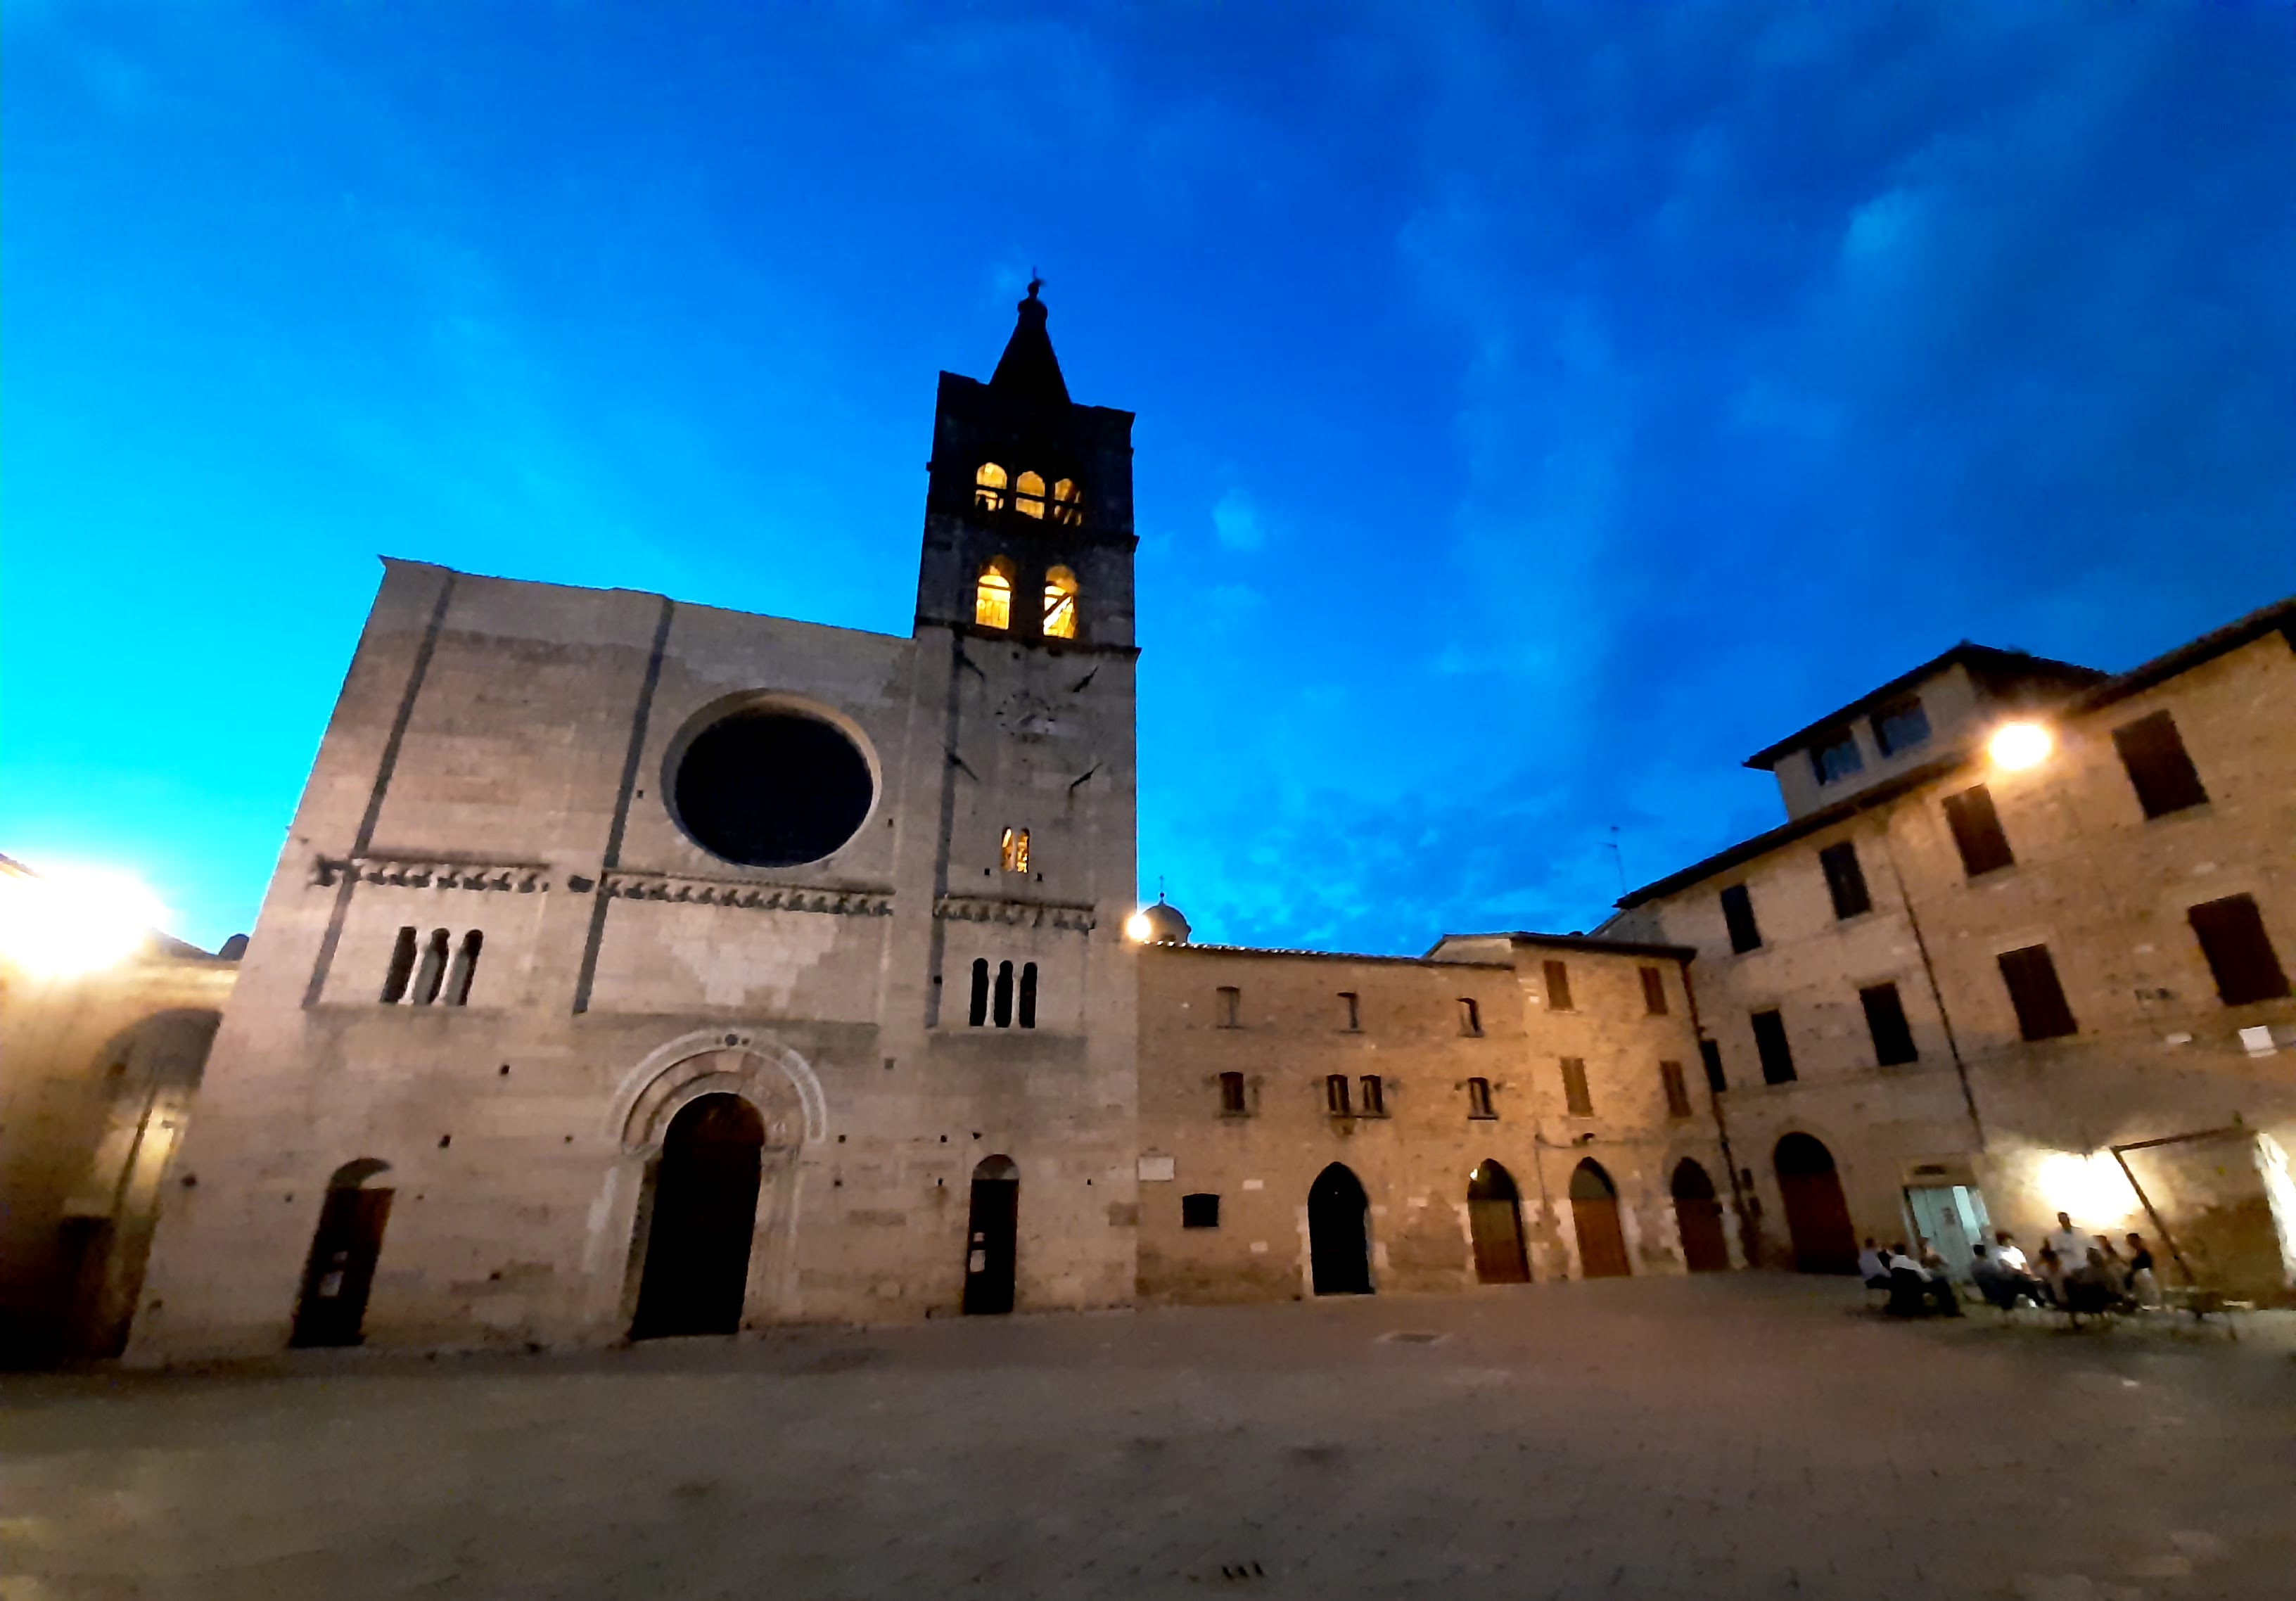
[1914, 1290]
[1993, 1282]
[2009, 1253]
[1872, 1268]
[2090, 1287]
[2144, 1285]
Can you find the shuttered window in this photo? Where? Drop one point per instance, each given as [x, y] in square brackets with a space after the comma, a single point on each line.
[1575, 1093]
[2159, 769]
[1678, 1093]
[1655, 992]
[1558, 986]
[1885, 1020]
[2240, 953]
[1977, 832]
[1738, 914]
[1770, 1043]
[1845, 879]
[2039, 1000]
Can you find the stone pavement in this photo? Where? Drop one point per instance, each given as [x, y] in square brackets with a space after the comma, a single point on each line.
[1750, 1436]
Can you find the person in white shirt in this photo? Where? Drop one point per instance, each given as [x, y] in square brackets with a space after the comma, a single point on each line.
[2070, 1244]
[2007, 1252]
[1872, 1268]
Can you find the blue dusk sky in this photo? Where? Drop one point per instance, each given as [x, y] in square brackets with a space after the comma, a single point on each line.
[1540, 407]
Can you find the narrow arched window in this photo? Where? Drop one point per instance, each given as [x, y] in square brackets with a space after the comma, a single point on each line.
[989, 486]
[1335, 1095]
[1014, 853]
[465, 969]
[979, 1012]
[1028, 996]
[1068, 505]
[433, 970]
[992, 597]
[1060, 603]
[1029, 495]
[1003, 1015]
[401, 970]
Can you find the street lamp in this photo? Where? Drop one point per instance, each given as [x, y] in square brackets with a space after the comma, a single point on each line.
[2016, 746]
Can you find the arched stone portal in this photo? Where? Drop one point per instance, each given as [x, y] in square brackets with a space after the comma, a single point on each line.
[1595, 1215]
[992, 1232]
[1698, 1216]
[1818, 1216]
[1339, 1233]
[1494, 1223]
[705, 1209]
[332, 1309]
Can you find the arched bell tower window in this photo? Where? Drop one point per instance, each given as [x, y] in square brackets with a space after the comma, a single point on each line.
[1029, 495]
[1060, 603]
[992, 597]
[989, 486]
[1068, 505]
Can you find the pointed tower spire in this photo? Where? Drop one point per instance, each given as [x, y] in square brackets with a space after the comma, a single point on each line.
[1029, 368]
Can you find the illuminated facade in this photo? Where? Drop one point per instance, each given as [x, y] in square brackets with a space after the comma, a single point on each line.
[2021, 914]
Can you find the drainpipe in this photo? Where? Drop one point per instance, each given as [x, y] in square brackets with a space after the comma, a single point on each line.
[1929, 971]
[1714, 1104]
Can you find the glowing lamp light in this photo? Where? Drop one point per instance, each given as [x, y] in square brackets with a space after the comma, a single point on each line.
[73, 919]
[2092, 1188]
[2019, 745]
[1138, 929]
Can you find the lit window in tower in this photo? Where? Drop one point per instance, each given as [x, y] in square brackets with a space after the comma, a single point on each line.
[1068, 505]
[1060, 603]
[988, 493]
[1015, 852]
[1029, 496]
[992, 597]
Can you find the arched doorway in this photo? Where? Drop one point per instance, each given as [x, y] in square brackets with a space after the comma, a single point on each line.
[1698, 1215]
[1339, 1233]
[332, 1306]
[704, 1217]
[992, 1237]
[1595, 1213]
[1818, 1217]
[1494, 1223]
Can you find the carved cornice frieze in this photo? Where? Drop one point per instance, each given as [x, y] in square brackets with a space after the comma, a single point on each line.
[742, 892]
[1014, 914]
[429, 873]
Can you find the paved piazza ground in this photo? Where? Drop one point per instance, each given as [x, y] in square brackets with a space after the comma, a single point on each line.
[1753, 1435]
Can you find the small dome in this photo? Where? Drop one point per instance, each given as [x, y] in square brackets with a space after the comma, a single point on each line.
[1158, 925]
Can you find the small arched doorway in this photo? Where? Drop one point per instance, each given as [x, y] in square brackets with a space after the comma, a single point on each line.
[1818, 1217]
[1595, 1213]
[1338, 1233]
[992, 1237]
[1698, 1215]
[1494, 1223]
[704, 1216]
[331, 1308]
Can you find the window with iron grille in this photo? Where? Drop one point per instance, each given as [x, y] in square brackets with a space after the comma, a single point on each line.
[2034, 991]
[2239, 952]
[2159, 768]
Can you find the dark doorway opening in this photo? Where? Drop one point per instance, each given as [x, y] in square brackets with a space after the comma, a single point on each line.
[992, 1237]
[1595, 1212]
[1818, 1217]
[332, 1309]
[1495, 1222]
[705, 1214]
[1339, 1233]
[1698, 1214]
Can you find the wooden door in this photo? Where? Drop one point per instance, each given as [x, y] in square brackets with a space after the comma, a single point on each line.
[705, 1218]
[341, 1272]
[1818, 1214]
[1595, 1212]
[1698, 1216]
[1494, 1225]
[992, 1237]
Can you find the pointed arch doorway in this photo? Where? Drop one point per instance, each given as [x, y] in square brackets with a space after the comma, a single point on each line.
[1818, 1216]
[1698, 1216]
[1595, 1215]
[339, 1272]
[1495, 1224]
[992, 1237]
[1338, 1233]
[705, 1215]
